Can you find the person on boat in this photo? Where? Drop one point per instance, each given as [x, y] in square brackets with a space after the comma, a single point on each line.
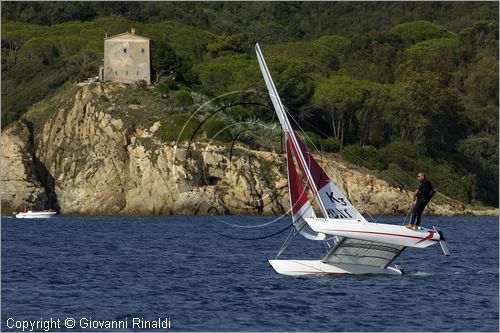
[423, 195]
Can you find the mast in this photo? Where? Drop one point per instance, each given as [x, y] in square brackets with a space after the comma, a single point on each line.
[332, 202]
[287, 128]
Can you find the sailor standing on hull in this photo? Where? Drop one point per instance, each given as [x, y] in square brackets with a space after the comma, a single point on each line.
[423, 194]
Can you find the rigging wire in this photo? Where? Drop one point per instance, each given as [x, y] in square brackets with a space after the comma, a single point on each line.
[253, 226]
[326, 135]
[252, 238]
[323, 157]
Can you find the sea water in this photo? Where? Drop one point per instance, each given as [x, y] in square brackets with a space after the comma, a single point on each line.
[212, 274]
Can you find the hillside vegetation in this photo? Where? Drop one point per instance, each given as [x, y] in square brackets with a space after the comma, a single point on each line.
[393, 87]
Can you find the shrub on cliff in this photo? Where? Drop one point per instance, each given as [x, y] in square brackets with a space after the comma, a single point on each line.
[218, 129]
[178, 127]
[367, 157]
[330, 145]
[183, 98]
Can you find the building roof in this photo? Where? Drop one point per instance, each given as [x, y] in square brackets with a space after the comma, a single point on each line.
[127, 35]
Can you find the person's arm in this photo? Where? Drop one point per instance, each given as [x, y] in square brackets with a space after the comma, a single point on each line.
[419, 190]
[416, 193]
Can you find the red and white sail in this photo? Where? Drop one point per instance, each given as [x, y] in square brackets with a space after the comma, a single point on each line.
[299, 202]
[333, 203]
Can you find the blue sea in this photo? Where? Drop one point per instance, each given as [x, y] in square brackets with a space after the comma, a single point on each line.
[212, 274]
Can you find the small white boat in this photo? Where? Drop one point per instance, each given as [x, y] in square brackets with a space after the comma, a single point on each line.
[352, 244]
[44, 214]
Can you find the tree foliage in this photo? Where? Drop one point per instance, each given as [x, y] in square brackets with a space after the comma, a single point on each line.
[421, 30]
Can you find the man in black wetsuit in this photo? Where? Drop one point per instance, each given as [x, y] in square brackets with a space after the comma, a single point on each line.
[423, 194]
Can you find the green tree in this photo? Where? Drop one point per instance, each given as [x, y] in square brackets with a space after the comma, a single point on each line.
[481, 95]
[341, 97]
[480, 38]
[481, 148]
[420, 30]
[293, 82]
[226, 45]
[338, 47]
[436, 55]
[355, 109]
[166, 62]
[232, 72]
[426, 112]
[313, 56]
[374, 56]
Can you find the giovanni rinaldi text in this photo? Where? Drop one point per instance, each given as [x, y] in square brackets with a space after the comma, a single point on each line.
[86, 323]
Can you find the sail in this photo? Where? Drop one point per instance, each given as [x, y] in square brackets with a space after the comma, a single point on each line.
[332, 202]
[285, 124]
[336, 204]
[299, 202]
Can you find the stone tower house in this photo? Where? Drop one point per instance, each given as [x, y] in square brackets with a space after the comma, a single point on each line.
[126, 58]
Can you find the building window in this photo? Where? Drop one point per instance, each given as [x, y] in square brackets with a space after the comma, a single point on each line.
[126, 73]
[142, 50]
[116, 73]
[124, 50]
[137, 73]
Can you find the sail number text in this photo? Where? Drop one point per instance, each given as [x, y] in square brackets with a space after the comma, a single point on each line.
[338, 213]
[336, 200]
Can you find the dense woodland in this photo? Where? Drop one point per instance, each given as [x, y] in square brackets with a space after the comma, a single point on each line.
[392, 86]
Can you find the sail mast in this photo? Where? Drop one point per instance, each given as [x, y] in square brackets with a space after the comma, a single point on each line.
[287, 128]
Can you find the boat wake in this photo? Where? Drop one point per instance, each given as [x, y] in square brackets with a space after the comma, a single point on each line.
[420, 273]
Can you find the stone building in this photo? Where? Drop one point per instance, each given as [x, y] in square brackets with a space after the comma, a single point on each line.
[126, 58]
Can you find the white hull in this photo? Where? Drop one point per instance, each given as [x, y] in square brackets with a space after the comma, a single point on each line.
[317, 267]
[376, 232]
[35, 215]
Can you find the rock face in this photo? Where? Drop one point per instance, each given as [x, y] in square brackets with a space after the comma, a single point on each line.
[20, 182]
[88, 162]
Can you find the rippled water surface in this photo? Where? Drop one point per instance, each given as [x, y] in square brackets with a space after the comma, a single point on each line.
[182, 268]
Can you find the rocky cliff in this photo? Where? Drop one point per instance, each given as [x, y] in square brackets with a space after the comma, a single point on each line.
[20, 179]
[87, 161]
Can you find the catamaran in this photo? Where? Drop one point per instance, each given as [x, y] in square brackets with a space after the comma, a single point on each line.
[354, 245]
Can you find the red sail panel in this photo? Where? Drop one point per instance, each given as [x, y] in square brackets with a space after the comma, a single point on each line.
[319, 177]
[298, 195]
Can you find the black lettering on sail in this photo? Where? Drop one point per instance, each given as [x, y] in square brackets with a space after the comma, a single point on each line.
[341, 214]
[336, 200]
[331, 213]
[338, 214]
[345, 210]
[330, 195]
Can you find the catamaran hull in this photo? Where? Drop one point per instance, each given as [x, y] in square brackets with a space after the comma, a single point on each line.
[317, 267]
[377, 232]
